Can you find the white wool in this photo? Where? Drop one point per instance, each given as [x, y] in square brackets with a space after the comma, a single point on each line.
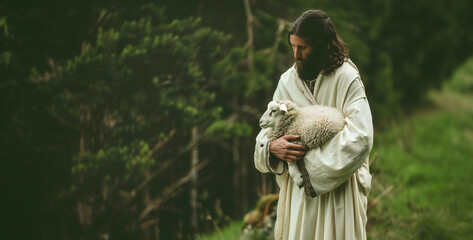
[315, 125]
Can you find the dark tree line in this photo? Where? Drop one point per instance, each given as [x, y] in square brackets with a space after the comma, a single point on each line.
[136, 120]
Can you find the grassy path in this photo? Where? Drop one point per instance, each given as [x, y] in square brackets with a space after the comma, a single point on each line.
[423, 169]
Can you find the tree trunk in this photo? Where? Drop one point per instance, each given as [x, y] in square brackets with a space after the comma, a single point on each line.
[236, 174]
[236, 159]
[244, 181]
[150, 231]
[243, 193]
[194, 182]
[84, 211]
[249, 32]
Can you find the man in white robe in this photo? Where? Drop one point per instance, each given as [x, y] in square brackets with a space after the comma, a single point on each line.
[333, 204]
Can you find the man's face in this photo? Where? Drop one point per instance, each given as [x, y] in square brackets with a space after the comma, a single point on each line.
[302, 48]
[308, 63]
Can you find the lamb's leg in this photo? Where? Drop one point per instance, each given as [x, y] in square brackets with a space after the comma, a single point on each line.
[295, 174]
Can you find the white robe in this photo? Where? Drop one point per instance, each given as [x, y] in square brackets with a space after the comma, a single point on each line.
[338, 170]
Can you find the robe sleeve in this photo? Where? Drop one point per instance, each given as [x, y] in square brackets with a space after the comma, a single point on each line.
[264, 161]
[333, 163]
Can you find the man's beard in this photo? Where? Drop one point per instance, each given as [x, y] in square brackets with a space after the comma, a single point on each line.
[309, 68]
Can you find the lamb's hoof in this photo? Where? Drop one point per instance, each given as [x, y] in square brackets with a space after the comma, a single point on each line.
[300, 183]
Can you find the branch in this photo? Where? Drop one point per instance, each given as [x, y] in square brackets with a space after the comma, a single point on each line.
[253, 111]
[274, 49]
[47, 75]
[161, 143]
[374, 158]
[103, 15]
[249, 31]
[61, 120]
[157, 172]
[375, 201]
[171, 190]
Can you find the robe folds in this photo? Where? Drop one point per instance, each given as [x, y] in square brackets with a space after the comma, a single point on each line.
[338, 170]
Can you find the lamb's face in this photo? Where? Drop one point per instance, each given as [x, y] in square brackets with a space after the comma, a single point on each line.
[272, 115]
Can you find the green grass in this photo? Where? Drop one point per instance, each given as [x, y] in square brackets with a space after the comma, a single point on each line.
[229, 232]
[429, 170]
[423, 170]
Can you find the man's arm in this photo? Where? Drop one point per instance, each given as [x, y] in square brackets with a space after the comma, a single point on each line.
[262, 159]
[333, 163]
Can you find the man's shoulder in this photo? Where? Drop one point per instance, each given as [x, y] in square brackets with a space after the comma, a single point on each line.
[288, 75]
[348, 68]
[289, 72]
[347, 72]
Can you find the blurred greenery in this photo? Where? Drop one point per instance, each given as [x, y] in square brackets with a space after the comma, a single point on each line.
[462, 80]
[425, 161]
[430, 194]
[137, 119]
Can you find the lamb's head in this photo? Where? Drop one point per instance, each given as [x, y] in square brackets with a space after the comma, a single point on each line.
[276, 110]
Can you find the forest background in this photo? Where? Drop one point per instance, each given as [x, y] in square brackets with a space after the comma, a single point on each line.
[137, 119]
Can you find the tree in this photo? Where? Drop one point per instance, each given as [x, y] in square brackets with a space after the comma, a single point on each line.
[132, 96]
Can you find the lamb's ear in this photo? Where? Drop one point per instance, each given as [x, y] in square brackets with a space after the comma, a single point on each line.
[283, 108]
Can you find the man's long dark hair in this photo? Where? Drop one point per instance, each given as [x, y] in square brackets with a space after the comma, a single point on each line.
[316, 26]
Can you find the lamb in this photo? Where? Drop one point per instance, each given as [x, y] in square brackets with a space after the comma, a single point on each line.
[315, 125]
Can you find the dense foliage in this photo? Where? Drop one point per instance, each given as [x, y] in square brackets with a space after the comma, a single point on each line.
[136, 120]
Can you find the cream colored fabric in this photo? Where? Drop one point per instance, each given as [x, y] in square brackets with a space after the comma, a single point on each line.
[338, 170]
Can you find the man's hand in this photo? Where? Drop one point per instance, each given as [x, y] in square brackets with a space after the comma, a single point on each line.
[285, 150]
